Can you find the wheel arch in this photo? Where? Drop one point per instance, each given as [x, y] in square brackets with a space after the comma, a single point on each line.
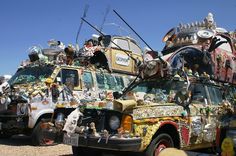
[37, 116]
[170, 128]
[43, 116]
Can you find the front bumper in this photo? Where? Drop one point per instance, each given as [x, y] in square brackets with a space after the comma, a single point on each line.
[11, 123]
[111, 143]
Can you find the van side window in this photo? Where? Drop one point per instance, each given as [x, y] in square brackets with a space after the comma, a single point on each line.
[88, 80]
[119, 83]
[100, 80]
[110, 81]
[135, 48]
[229, 93]
[121, 43]
[69, 77]
[215, 95]
[198, 93]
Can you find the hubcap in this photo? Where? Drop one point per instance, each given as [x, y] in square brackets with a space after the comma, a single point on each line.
[161, 146]
[47, 141]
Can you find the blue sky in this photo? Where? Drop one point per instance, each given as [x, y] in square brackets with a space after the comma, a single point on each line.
[25, 23]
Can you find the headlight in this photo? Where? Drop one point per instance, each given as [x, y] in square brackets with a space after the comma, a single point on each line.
[22, 109]
[3, 100]
[60, 121]
[114, 122]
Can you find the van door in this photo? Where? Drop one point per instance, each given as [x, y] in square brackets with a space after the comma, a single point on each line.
[68, 80]
[87, 81]
[215, 115]
[89, 92]
[198, 113]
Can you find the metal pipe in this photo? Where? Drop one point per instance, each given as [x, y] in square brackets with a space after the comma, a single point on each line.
[137, 34]
[132, 29]
[81, 23]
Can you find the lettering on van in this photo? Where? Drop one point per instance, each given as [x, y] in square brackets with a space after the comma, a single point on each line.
[122, 59]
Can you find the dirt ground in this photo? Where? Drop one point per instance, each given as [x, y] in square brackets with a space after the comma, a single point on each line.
[21, 146]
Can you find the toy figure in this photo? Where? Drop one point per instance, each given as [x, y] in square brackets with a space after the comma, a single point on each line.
[209, 21]
[72, 120]
[93, 128]
[182, 97]
[227, 147]
[55, 92]
[70, 52]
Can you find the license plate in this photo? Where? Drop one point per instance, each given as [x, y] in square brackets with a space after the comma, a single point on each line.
[72, 140]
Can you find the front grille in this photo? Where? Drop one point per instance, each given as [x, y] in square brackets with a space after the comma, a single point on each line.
[100, 117]
[11, 109]
[3, 107]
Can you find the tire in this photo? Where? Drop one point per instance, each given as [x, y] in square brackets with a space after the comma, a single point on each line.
[161, 142]
[38, 138]
[84, 151]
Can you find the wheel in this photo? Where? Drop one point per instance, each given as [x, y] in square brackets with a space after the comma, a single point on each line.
[161, 142]
[84, 151]
[75, 151]
[38, 135]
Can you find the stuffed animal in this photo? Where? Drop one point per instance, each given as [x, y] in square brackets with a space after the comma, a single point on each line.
[70, 52]
[227, 147]
[71, 121]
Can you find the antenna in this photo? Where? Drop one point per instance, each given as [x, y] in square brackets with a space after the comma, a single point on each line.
[119, 28]
[104, 18]
[137, 34]
[80, 26]
[132, 29]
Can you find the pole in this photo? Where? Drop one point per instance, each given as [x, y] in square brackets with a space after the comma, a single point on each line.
[132, 29]
[137, 34]
[81, 23]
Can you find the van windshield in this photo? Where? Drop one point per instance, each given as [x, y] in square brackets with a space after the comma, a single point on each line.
[31, 74]
[157, 90]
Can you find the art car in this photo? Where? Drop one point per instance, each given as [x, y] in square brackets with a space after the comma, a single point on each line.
[178, 101]
[63, 77]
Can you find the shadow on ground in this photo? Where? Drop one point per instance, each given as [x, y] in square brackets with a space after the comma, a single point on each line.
[17, 140]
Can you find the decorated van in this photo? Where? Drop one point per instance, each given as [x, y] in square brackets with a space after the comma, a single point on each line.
[179, 100]
[64, 77]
